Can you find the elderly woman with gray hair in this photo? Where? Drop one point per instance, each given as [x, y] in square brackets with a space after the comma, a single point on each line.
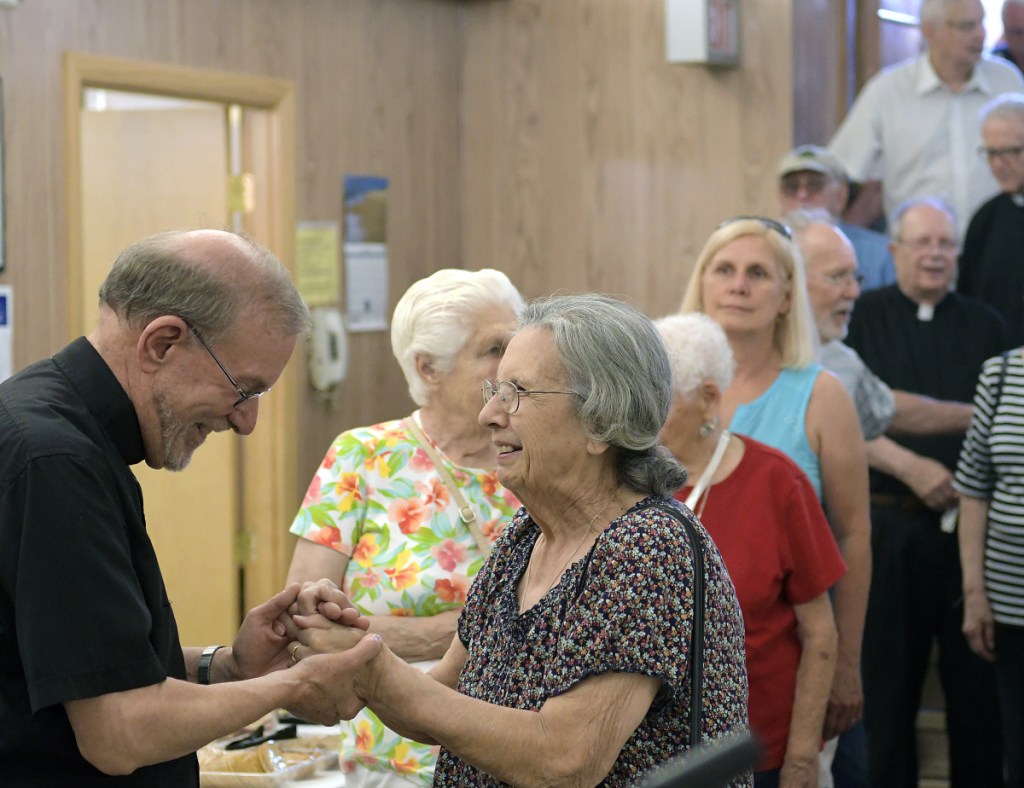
[573, 657]
[765, 518]
[402, 514]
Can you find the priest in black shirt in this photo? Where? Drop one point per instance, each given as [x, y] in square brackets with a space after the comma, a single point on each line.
[992, 260]
[95, 688]
[918, 336]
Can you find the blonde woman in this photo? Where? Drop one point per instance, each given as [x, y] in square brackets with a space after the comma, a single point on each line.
[749, 278]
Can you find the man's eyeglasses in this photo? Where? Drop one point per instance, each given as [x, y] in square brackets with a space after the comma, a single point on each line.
[946, 246]
[965, 26]
[243, 395]
[509, 393]
[812, 183]
[771, 224]
[1011, 152]
[843, 278]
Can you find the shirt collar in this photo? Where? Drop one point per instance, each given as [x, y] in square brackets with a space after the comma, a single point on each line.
[911, 305]
[928, 81]
[103, 395]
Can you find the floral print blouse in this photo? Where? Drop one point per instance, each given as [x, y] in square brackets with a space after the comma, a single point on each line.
[626, 606]
[378, 498]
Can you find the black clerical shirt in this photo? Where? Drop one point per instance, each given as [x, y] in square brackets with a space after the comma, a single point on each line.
[940, 357]
[83, 610]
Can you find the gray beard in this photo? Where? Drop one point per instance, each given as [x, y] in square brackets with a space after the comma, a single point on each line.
[174, 435]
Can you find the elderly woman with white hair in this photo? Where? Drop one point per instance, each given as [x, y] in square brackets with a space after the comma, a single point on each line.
[603, 636]
[762, 512]
[402, 514]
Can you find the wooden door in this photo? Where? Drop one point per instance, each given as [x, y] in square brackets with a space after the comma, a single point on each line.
[149, 166]
[164, 166]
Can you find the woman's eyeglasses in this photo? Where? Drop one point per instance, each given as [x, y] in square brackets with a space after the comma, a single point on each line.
[509, 393]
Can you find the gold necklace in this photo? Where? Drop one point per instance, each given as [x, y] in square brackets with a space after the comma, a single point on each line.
[529, 565]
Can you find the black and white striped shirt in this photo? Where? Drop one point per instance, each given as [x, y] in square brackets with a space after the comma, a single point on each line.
[991, 466]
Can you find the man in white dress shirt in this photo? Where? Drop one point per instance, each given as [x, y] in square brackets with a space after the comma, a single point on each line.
[914, 127]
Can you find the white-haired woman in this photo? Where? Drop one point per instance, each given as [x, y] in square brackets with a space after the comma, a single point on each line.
[762, 512]
[749, 279]
[401, 514]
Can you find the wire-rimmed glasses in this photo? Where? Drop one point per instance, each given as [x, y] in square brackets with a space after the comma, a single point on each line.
[243, 395]
[509, 393]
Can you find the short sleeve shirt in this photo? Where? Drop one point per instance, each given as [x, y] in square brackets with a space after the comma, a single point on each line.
[378, 498]
[625, 607]
[83, 609]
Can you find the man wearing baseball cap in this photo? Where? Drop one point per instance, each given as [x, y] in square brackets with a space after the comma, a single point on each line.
[810, 177]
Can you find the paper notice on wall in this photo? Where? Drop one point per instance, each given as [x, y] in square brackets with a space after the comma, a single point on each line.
[6, 330]
[366, 287]
[318, 275]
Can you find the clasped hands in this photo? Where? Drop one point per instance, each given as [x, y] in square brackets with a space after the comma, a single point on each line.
[322, 621]
[316, 631]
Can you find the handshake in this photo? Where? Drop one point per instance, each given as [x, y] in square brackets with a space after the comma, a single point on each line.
[317, 646]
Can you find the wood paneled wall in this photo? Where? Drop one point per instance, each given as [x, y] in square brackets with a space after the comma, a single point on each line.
[548, 138]
[376, 90]
[590, 163]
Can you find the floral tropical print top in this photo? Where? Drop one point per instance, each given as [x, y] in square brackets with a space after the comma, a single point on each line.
[627, 606]
[378, 498]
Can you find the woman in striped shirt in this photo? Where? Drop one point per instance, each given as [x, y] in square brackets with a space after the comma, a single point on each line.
[990, 479]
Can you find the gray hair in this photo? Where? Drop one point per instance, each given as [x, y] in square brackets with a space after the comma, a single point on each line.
[934, 11]
[698, 350]
[896, 222]
[1006, 106]
[434, 315]
[617, 365]
[208, 285]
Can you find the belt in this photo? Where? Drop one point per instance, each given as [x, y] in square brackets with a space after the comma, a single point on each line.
[904, 502]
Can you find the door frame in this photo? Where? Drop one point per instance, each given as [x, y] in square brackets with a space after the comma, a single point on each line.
[268, 475]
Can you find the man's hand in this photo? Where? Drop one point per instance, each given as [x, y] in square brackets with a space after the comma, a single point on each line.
[327, 694]
[261, 644]
[979, 625]
[932, 482]
[846, 701]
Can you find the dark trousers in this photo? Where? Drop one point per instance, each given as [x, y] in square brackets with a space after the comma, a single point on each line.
[850, 764]
[1010, 682]
[916, 601]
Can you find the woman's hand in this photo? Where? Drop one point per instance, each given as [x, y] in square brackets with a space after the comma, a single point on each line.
[324, 598]
[315, 637]
[979, 625]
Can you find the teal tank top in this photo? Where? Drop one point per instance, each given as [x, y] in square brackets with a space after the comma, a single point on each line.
[779, 418]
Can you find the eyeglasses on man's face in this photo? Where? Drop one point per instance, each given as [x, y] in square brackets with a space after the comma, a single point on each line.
[243, 395]
[810, 182]
[842, 278]
[945, 245]
[771, 224]
[1009, 152]
[509, 393]
[965, 26]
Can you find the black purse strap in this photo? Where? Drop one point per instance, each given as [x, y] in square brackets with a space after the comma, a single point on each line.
[697, 631]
